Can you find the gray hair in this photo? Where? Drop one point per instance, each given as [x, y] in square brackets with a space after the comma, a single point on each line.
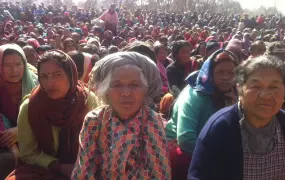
[244, 70]
[102, 90]
[100, 74]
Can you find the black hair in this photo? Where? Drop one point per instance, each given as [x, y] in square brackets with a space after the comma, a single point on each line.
[12, 52]
[144, 49]
[158, 47]
[21, 43]
[59, 57]
[177, 45]
[113, 49]
[78, 58]
[196, 51]
[91, 49]
[44, 48]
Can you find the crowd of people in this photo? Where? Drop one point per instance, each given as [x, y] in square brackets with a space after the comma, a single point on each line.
[121, 94]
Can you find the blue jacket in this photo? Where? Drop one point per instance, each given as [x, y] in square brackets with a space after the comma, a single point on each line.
[218, 154]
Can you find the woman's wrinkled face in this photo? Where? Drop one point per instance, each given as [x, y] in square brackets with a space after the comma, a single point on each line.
[126, 92]
[223, 75]
[184, 54]
[12, 68]
[263, 93]
[162, 54]
[54, 80]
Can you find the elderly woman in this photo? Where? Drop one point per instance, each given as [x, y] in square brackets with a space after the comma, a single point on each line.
[50, 120]
[16, 81]
[210, 91]
[83, 64]
[125, 138]
[246, 140]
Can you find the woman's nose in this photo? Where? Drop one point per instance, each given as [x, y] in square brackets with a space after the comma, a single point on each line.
[126, 91]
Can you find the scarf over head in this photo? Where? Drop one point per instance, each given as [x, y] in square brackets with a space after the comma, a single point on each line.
[66, 113]
[16, 91]
[235, 46]
[149, 69]
[202, 81]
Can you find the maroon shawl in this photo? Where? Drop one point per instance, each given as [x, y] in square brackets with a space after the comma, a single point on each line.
[67, 113]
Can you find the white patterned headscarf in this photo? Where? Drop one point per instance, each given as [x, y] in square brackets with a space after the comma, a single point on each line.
[149, 70]
[29, 79]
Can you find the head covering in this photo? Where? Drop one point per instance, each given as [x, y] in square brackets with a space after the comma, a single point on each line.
[212, 44]
[149, 69]
[66, 113]
[13, 93]
[29, 79]
[277, 49]
[246, 41]
[202, 80]
[235, 46]
[33, 42]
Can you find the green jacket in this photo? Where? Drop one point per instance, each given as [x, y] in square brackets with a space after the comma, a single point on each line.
[190, 113]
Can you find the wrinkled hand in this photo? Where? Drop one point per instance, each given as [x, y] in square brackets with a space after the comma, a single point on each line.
[8, 137]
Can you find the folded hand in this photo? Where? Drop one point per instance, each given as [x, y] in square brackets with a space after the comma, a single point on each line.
[8, 137]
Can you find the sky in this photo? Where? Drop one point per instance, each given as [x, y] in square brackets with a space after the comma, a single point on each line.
[252, 4]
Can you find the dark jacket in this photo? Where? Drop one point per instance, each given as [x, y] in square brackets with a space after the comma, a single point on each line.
[176, 78]
[218, 154]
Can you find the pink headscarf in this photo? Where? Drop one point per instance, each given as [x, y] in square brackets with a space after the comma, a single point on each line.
[33, 42]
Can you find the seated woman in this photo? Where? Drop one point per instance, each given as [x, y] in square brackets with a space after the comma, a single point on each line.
[50, 120]
[182, 66]
[83, 64]
[196, 103]
[246, 141]
[125, 138]
[162, 62]
[69, 45]
[16, 81]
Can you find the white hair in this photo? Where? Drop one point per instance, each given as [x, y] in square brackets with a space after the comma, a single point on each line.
[102, 88]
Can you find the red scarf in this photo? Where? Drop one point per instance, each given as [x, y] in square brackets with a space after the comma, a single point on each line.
[67, 113]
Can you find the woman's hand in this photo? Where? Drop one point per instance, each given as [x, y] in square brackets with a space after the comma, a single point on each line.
[15, 151]
[8, 137]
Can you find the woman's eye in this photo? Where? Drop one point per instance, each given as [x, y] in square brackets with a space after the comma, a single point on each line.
[134, 85]
[115, 85]
[255, 86]
[43, 77]
[274, 87]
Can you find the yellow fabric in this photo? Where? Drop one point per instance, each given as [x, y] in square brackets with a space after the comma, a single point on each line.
[29, 152]
[32, 68]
